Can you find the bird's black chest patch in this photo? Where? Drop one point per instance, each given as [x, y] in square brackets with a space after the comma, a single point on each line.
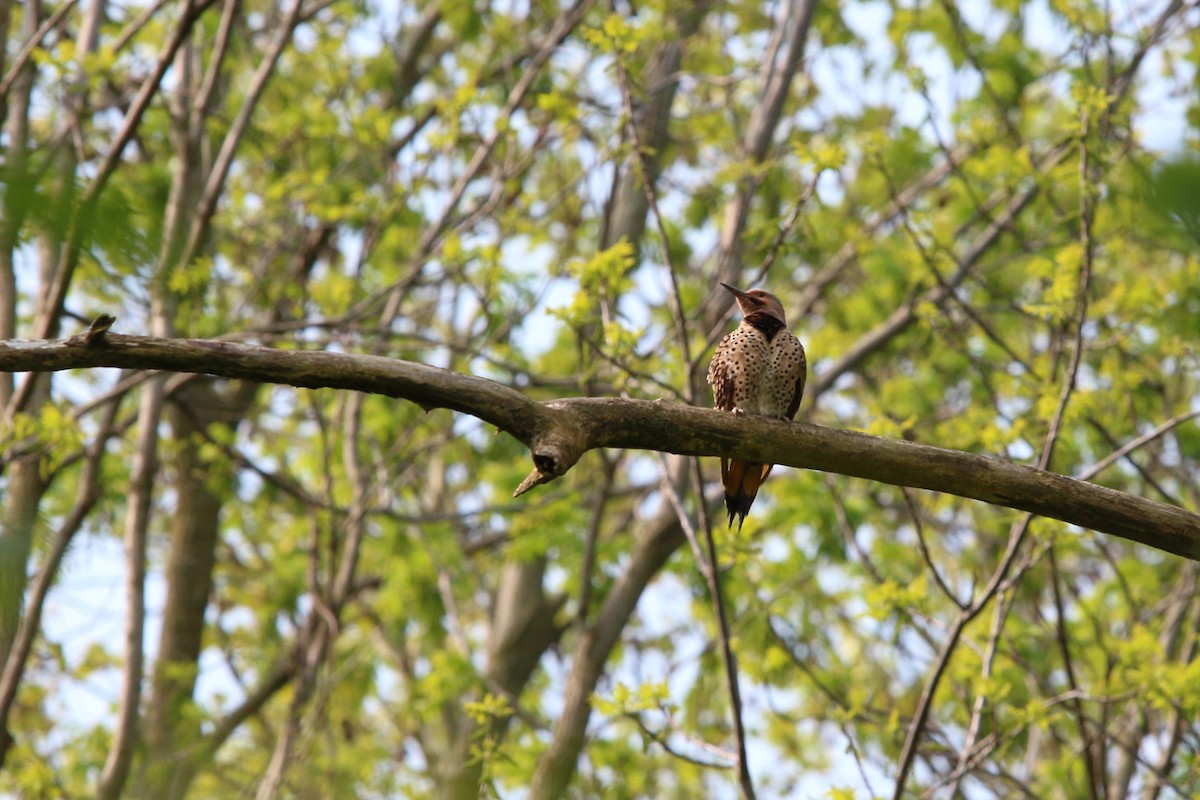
[767, 324]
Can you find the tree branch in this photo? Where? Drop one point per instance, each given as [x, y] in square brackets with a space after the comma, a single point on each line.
[558, 432]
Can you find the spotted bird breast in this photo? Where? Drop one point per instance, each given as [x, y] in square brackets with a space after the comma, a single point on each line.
[783, 383]
[738, 366]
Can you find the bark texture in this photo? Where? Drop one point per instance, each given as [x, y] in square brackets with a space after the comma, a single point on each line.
[558, 432]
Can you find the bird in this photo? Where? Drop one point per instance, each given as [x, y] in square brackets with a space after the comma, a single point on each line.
[758, 368]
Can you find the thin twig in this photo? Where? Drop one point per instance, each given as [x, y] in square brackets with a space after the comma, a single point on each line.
[711, 572]
[785, 230]
[224, 160]
[968, 753]
[664, 241]
[22, 58]
[1134, 444]
[586, 572]
[925, 554]
[1020, 529]
[661, 739]
[137, 523]
[392, 294]
[1086, 213]
[848, 533]
[731, 673]
[1016, 538]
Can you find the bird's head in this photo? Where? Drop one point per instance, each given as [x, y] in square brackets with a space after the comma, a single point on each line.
[758, 301]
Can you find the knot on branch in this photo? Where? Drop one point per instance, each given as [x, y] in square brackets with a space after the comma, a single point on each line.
[556, 449]
[95, 332]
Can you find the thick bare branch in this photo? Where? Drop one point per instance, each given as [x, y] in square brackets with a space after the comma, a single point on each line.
[220, 170]
[592, 650]
[137, 523]
[558, 432]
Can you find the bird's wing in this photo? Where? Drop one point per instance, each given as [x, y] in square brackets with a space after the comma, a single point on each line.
[801, 375]
[721, 380]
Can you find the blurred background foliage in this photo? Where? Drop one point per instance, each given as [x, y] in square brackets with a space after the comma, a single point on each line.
[983, 220]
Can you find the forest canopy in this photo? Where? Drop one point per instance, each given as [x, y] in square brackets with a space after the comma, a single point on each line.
[981, 219]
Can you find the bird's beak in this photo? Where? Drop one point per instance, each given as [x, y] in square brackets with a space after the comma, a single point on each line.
[738, 293]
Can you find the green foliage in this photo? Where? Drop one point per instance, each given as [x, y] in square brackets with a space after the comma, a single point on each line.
[628, 700]
[413, 192]
[614, 36]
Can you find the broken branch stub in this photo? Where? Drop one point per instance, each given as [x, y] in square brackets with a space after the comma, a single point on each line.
[557, 447]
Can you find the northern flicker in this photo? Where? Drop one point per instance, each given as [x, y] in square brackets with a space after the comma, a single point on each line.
[759, 368]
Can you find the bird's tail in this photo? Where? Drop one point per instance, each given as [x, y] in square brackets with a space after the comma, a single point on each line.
[741, 479]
